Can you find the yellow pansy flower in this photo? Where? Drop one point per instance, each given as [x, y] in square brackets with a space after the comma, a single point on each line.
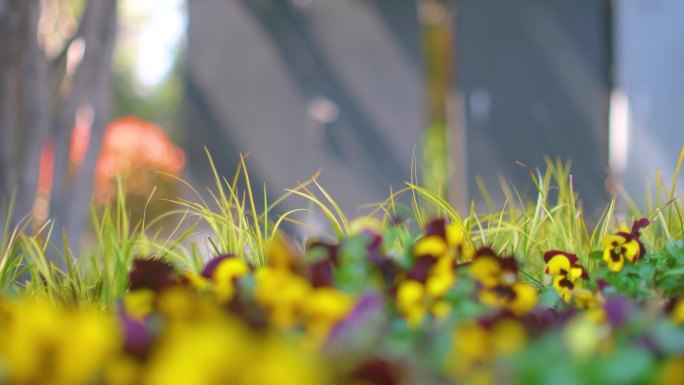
[282, 294]
[431, 245]
[43, 343]
[618, 248]
[565, 271]
[623, 246]
[323, 308]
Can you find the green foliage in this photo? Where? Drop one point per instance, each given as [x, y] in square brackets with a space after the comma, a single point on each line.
[663, 270]
[10, 251]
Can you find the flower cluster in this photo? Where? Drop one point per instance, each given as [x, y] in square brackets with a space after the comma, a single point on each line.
[425, 284]
[499, 284]
[363, 311]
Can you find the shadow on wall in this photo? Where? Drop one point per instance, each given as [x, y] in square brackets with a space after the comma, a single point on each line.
[307, 86]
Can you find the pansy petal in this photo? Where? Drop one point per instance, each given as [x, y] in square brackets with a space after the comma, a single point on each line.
[139, 303]
[576, 272]
[509, 336]
[409, 293]
[486, 270]
[213, 263]
[152, 273]
[563, 287]
[525, 299]
[559, 264]
[611, 256]
[431, 245]
[455, 235]
[436, 227]
[612, 241]
[438, 284]
[638, 225]
[572, 258]
[585, 299]
[631, 250]
[441, 309]
[230, 269]
[677, 312]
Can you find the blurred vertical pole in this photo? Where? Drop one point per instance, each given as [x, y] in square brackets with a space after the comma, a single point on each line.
[455, 109]
[438, 55]
[36, 92]
[8, 24]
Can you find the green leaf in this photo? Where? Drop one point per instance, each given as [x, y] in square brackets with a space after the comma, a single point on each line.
[647, 271]
[629, 269]
[675, 248]
[596, 254]
[675, 272]
[627, 365]
[402, 339]
[668, 337]
[671, 285]
[548, 298]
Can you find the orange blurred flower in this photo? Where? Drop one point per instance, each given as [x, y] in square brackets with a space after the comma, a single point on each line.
[136, 149]
[131, 147]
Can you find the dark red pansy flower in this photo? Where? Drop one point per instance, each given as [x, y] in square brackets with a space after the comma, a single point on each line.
[638, 225]
[489, 321]
[509, 264]
[397, 220]
[151, 274]
[505, 291]
[436, 227]
[636, 233]
[376, 371]
[388, 269]
[540, 320]
[375, 241]
[331, 250]
[671, 304]
[321, 273]
[386, 266]
[420, 269]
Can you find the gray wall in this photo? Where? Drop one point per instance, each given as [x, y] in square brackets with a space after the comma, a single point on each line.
[334, 85]
[303, 86]
[533, 75]
[649, 47]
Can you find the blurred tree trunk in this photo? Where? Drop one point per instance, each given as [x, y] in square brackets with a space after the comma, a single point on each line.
[39, 101]
[90, 88]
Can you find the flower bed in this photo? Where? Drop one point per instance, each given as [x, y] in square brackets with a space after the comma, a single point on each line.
[442, 309]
